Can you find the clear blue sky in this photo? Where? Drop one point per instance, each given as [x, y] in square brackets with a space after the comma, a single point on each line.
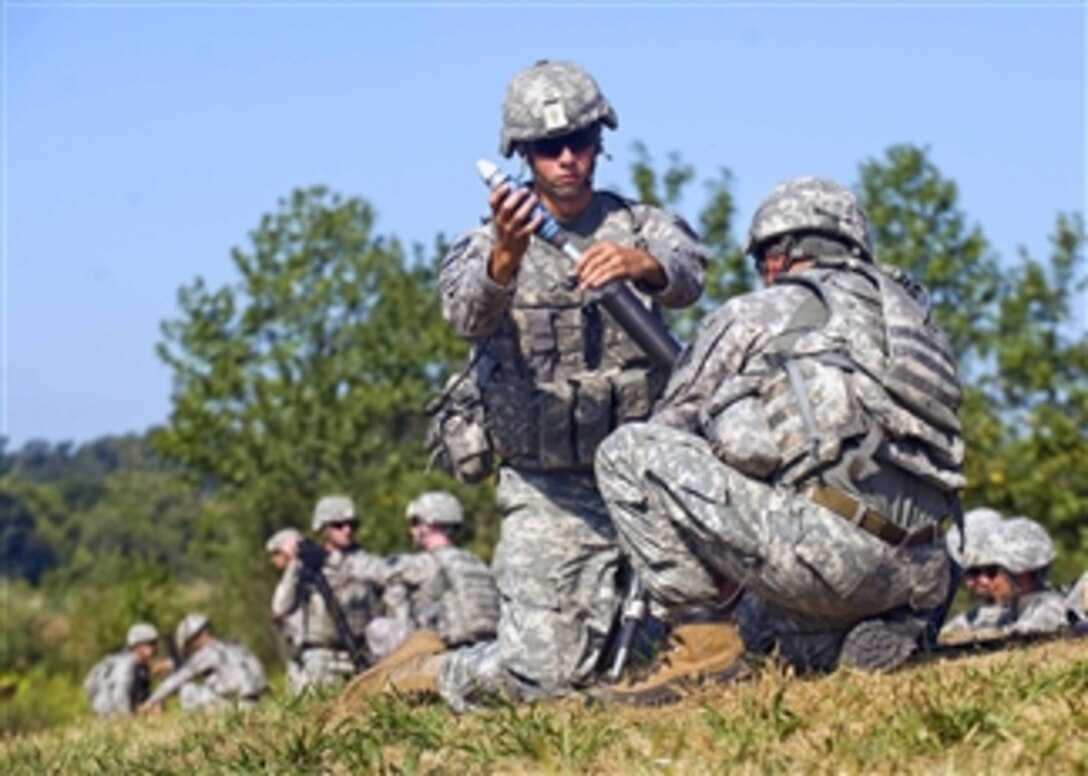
[143, 140]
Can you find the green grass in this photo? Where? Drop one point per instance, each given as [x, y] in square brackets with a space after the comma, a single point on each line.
[1019, 711]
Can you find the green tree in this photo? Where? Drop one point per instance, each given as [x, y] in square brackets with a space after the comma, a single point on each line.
[917, 224]
[728, 273]
[310, 373]
[1041, 385]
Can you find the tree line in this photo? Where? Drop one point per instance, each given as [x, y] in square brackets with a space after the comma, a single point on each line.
[311, 371]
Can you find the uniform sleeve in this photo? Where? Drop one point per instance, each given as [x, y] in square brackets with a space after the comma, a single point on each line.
[413, 569]
[1046, 615]
[678, 250]
[472, 302]
[198, 664]
[286, 598]
[718, 350]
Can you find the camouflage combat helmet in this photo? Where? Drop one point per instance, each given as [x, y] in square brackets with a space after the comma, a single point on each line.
[436, 507]
[141, 633]
[548, 99]
[277, 541]
[1022, 545]
[189, 627]
[979, 524]
[333, 509]
[808, 204]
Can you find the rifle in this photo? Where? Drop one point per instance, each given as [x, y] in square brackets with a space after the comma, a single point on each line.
[311, 560]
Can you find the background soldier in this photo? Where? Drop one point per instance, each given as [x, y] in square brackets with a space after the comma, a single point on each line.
[120, 682]
[288, 626]
[556, 375]
[214, 673]
[807, 448]
[1005, 563]
[355, 578]
[450, 598]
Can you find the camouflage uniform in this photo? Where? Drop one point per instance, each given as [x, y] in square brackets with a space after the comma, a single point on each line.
[1017, 545]
[1077, 599]
[290, 626]
[356, 578]
[120, 682]
[777, 433]
[556, 374]
[217, 675]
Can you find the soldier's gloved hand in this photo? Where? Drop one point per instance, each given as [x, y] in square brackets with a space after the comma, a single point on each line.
[513, 223]
[311, 555]
[604, 262]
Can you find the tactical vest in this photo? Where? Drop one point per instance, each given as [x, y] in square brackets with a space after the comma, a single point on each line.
[238, 674]
[559, 373]
[99, 683]
[460, 601]
[876, 374]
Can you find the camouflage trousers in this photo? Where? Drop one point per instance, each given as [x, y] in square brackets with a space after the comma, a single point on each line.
[686, 520]
[555, 567]
[384, 634]
[319, 666]
[199, 697]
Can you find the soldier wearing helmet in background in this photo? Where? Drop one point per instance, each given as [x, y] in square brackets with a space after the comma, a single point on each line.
[556, 374]
[1005, 563]
[289, 627]
[450, 599]
[805, 451]
[355, 578]
[449, 591]
[120, 682]
[214, 674]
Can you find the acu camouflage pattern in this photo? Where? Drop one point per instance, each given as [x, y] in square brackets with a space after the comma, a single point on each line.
[683, 517]
[218, 674]
[117, 684]
[556, 372]
[452, 592]
[809, 204]
[1077, 599]
[1037, 613]
[555, 566]
[854, 362]
[703, 491]
[551, 98]
[969, 547]
[356, 578]
[1020, 544]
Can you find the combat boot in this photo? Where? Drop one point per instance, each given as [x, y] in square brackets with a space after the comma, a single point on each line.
[697, 654]
[375, 680]
[883, 644]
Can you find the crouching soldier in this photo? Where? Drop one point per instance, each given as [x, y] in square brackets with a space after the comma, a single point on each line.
[806, 449]
[214, 673]
[451, 599]
[1005, 564]
[120, 682]
[337, 588]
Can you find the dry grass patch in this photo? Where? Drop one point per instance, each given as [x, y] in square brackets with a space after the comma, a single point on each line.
[1020, 711]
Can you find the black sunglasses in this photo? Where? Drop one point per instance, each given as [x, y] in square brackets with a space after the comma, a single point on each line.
[552, 147]
[341, 523]
[983, 571]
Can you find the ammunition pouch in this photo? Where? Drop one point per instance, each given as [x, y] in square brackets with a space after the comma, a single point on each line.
[457, 439]
[559, 425]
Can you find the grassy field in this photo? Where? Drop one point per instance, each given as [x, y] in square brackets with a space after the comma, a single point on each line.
[1016, 711]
